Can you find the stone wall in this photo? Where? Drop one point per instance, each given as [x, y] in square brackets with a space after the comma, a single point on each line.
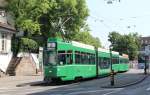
[26, 66]
[2, 74]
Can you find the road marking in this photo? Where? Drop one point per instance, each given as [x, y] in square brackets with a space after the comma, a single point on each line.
[148, 89]
[112, 92]
[82, 92]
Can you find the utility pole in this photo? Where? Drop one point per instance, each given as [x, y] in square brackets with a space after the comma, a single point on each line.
[112, 71]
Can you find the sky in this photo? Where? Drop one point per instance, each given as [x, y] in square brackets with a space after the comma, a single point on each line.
[125, 17]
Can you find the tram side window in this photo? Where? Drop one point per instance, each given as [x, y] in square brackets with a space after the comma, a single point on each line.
[69, 58]
[93, 58]
[121, 61]
[126, 61]
[83, 56]
[77, 57]
[87, 58]
[61, 57]
[115, 61]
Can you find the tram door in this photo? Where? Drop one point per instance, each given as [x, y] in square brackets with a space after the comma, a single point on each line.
[104, 63]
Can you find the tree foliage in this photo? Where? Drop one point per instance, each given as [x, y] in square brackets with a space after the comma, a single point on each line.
[85, 37]
[48, 18]
[127, 43]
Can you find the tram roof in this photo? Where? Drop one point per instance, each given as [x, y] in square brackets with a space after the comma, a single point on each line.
[125, 56]
[115, 52]
[103, 50]
[81, 45]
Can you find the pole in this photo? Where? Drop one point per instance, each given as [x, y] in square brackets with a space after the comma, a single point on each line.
[145, 71]
[112, 71]
[97, 62]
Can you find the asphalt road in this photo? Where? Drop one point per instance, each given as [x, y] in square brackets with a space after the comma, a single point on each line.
[22, 86]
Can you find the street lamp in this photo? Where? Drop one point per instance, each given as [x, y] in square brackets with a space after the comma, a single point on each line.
[112, 71]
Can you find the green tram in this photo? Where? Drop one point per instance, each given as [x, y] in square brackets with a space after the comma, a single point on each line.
[124, 61]
[73, 60]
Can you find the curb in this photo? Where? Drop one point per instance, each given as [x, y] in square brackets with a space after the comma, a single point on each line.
[130, 84]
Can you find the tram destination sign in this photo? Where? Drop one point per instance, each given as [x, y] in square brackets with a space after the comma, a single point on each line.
[51, 46]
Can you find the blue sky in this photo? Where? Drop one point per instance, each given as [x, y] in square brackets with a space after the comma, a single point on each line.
[124, 17]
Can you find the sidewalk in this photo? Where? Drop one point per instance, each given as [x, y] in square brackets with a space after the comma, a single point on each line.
[12, 81]
[133, 76]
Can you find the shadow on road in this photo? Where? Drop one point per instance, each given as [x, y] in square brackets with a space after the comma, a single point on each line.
[120, 79]
[42, 83]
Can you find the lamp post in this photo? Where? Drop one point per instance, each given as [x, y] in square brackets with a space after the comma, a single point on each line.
[112, 71]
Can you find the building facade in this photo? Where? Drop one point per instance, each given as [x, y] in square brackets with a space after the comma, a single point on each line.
[145, 46]
[6, 33]
[144, 56]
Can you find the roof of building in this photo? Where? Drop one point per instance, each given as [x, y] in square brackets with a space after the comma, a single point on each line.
[145, 38]
[7, 27]
[3, 3]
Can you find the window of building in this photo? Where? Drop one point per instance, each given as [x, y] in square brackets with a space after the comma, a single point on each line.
[3, 43]
[141, 41]
[2, 14]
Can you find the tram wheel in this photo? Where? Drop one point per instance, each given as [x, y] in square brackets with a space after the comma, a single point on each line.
[47, 80]
[77, 79]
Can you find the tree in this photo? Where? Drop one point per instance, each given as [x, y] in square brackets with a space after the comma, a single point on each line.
[68, 16]
[127, 43]
[84, 36]
[47, 18]
[26, 14]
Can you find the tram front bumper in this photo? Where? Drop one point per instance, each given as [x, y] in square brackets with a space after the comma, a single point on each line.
[53, 72]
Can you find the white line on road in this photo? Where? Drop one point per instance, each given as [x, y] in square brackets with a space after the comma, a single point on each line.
[92, 91]
[148, 89]
[112, 92]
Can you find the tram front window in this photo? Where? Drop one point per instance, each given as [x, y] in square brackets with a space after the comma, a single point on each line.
[50, 58]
